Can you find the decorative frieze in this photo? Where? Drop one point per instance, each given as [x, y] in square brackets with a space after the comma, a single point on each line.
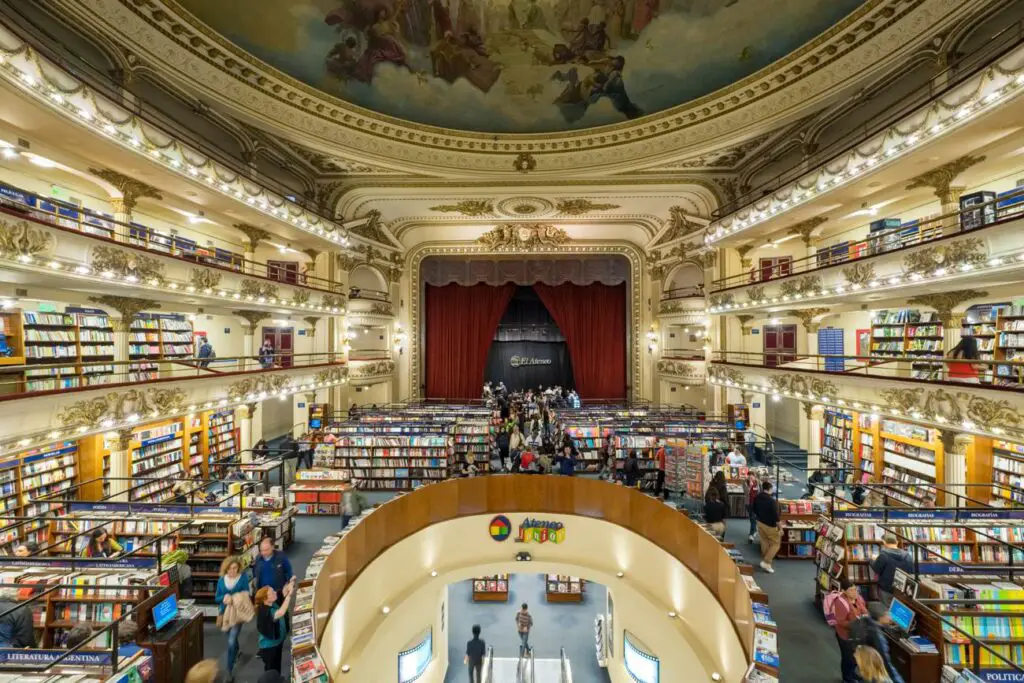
[959, 254]
[374, 369]
[22, 240]
[523, 237]
[118, 406]
[467, 207]
[251, 387]
[127, 264]
[204, 279]
[256, 289]
[581, 207]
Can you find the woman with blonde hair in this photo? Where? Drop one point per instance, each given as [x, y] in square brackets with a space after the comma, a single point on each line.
[204, 672]
[232, 581]
[870, 665]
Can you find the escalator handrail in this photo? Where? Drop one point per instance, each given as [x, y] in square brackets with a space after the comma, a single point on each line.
[487, 672]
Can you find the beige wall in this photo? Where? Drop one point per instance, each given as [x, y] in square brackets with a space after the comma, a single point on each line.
[700, 641]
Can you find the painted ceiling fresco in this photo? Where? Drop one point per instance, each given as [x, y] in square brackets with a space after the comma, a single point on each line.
[519, 66]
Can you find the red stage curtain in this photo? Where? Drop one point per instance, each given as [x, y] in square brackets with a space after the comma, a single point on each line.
[461, 322]
[593, 320]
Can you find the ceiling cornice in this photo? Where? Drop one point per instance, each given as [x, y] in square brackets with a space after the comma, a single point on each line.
[874, 38]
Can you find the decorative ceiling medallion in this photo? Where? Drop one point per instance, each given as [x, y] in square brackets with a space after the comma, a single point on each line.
[523, 237]
[521, 207]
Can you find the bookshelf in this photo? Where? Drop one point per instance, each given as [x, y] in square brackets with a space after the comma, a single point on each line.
[221, 438]
[685, 466]
[592, 442]
[472, 437]
[911, 454]
[981, 323]
[194, 450]
[12, 336]
[96, 343]
[1008, 470]
[864, 439]
[797, 524]
[393, 462]
[644, 445]
[175, 337]
[490, 588]
[31, 474]
[1009, 345]
[156, 454]
[318, 491]
[144, 347]
[563, 588]
[909, 334]
[837, 441]
[307, 664]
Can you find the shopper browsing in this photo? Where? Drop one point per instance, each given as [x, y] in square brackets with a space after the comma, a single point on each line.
[719, 484]
[870, 666]
[232, 600]
[846, 609]
[631, 470]
[16, 630]
[524, 622]
[475, 650]
[205, 353]
[205, 671]
[736, 458]
[78, 635]
[272, 568]
[889, 559]
[26, 549]
[714, 513]
[272, 624]
[266, 354]
[750, 439]
[101, 544]
[753, 488]
[766, 509]
[660, 456]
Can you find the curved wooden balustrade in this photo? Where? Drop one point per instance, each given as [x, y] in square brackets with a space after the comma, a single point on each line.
[666, 528]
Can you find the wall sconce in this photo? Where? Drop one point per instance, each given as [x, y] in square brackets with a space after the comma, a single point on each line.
[652, 340]
[400, 338]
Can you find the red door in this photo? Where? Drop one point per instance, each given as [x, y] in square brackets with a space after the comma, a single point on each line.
[779, 266]
[283, 341]
[779, 344]
[283, 271]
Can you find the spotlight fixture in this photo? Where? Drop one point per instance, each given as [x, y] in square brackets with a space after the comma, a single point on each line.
[385, 609]
[619, 574]
[523, 557]
[433, 573]
[716, 676]
[345, 668]
[671, 615]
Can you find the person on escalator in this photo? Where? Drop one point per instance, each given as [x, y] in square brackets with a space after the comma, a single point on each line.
[475, 650]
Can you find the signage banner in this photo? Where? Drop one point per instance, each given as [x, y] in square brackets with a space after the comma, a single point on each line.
[42, 658]
[943, 569]
[921, 514]
[1001, 676]
[859, 514]
[523, 361]
[540, 531]
[984, 514]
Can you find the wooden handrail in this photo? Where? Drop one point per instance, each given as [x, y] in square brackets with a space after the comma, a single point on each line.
[669, 530]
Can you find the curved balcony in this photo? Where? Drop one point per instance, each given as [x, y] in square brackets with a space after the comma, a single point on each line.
[37, 379]
[683, 369]
[63, 219]
[868, 252]
[960, 67]
[682, 301]
[439, 533]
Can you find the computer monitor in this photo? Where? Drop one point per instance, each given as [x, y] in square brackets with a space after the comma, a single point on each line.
[901, 615]
[165, 611]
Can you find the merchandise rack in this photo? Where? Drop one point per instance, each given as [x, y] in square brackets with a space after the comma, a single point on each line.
[563, 588]
[797, 525]
[318, 491]
[491, 588]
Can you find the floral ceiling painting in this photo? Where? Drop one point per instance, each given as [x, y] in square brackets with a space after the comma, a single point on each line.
[519, 66]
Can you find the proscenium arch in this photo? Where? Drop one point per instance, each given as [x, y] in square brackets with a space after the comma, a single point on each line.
[693, 552]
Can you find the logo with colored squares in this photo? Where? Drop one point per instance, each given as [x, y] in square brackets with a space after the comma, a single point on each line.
[500, 528]
[540, 531]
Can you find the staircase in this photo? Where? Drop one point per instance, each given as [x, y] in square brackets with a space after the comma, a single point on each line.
[526, 669]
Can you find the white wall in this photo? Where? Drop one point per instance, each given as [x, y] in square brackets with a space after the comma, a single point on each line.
[277, 418]
[698, 642]
[783, 419]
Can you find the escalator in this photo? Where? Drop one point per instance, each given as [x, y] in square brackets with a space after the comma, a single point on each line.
[526, 669]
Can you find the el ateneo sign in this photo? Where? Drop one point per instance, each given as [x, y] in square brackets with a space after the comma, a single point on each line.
[524, 361]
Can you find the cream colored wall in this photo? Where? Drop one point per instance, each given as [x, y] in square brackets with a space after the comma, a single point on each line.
[699, 642]
[783, 418]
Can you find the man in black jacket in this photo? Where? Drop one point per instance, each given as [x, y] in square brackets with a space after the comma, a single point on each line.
[889, 559]
[766, 512]
[475, 650]
[16, 629]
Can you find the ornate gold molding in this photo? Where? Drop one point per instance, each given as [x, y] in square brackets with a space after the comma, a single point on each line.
[252, 387]
[300, 296]
[679, 226]
[338, 374]
[806, 285]
[581, 207]
[953, 407]
[126, 263]
[803, 386]
[311, 322]
[252, 319]
[468, 207]
[127, 306]
[805, 228]
[966, 252]
[806, 316]
[374, 369]
[945, 302]
[21, 238]
[683, 369]
[372, 229]
[523, 237]
[258, 289]
[204, 279]
[131, 189]
[941, 178]
[117, 406]
[859, 274]
[334, 302]
[254, 236]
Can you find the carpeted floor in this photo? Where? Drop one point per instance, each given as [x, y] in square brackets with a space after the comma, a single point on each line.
[554, 626]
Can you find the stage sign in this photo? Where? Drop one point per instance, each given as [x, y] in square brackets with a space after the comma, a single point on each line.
[523, 361]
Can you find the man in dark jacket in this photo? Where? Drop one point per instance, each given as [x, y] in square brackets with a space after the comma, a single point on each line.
[15, 626]
[272, 568]
[631, 469]
[766, 512]
[891, 558]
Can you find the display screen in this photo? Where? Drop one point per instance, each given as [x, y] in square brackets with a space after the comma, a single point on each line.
[165, 612]
[901, 615]
[641, 666]
[413, 662]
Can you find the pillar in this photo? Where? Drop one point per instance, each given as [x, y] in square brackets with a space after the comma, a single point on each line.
[131, 191]
[954, 470]
[810, 437]
[940, 180]
[253, 237]
[252, 321]
[243, 416]
[122, 208]
[120, 445]
[121, 326]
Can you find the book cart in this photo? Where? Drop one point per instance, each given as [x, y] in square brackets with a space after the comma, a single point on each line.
[491, 588]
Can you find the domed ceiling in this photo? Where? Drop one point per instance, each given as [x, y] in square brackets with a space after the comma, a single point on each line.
[519, 66]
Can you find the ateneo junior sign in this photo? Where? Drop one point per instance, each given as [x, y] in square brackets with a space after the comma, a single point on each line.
[524, 361]
[530, 530]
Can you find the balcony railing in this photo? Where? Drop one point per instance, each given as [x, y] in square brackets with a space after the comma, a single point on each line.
[103, 227]
[369, 354]
[356, 293]
[697, 291]
[960, 67]
[1001, 375]
[1005, 208]
[25, 381]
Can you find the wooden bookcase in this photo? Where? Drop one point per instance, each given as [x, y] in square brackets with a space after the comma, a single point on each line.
[472, 437]
[894, 451]
[563, 588]
[29, 475]
[318, 491]
[393, 462]
[798, 523]
[490, 588]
